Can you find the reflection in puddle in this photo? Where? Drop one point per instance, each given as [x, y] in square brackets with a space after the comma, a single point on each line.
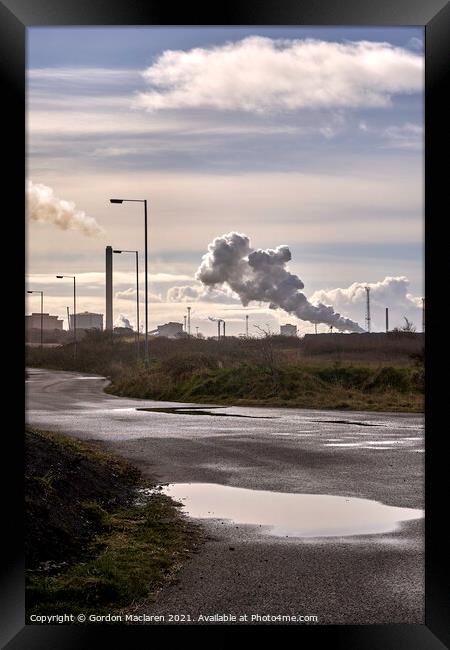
[288, 514]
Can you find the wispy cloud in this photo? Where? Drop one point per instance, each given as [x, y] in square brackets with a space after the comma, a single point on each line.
[260, 75]
[130, 294]
[405, 136]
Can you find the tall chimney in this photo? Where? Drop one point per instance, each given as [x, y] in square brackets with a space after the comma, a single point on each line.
[223, 328]
[218, 330]
[109, 288]
[387, 319]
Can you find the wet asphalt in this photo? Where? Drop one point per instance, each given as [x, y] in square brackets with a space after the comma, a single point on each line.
[241, 570]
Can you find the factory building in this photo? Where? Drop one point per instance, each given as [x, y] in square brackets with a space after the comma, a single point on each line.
[87, 321]
[124, 331]
[288, 330]
[33, 321]
[170, 330]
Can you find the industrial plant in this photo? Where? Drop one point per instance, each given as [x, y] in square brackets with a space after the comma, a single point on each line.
[86, 321]
[270, 278]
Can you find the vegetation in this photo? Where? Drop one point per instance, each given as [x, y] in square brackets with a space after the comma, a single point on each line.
[97, 539]
[377, 372]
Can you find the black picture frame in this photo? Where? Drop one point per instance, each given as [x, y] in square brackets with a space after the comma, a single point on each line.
[15, 17]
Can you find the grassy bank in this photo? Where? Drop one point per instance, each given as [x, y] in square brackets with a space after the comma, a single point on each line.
[358, 388]
[270, 371]
[97, 538]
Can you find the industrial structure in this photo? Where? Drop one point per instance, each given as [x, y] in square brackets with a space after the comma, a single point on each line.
[124, 331]
[170, 330]
[109, 288]
[87, 321]
[288, 330]
[368, 309]
[33, 321]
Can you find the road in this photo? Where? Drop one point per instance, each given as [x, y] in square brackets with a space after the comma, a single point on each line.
[352, 579]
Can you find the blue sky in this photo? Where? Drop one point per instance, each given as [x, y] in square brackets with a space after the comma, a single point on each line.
[306, 148]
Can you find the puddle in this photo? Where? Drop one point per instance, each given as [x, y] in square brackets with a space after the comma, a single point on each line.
[288, 514]
[358, 424]
[196, 410]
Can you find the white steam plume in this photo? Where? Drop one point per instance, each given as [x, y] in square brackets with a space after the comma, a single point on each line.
[45, 207]
[123, 321]
[261, 275]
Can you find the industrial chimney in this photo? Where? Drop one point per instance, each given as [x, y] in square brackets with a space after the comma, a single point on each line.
[109, 288]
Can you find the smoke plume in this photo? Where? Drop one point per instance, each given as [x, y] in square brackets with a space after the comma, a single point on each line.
[261, 275]
[45, 207]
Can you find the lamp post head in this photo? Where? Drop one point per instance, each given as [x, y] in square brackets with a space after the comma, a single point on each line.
[59, 276]
[116, 200]
[117, 251]
[30, 291]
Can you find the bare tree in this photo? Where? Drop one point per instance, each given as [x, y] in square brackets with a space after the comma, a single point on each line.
[408, 326]
[267, 350]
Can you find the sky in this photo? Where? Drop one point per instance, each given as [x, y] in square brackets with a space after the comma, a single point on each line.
[310, 138]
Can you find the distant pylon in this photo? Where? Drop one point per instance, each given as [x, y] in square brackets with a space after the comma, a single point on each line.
[368, 309]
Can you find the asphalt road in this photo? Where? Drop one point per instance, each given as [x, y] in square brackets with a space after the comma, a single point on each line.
[359, 579]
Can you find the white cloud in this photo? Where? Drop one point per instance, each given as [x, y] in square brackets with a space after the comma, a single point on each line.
[261, 75]
[193, 293]
[392, 292]
[130, 294]
[415, 43]
[98, 278]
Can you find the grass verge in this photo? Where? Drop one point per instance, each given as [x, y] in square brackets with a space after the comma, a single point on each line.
[98, 539]
[386, 388]
[269, 371]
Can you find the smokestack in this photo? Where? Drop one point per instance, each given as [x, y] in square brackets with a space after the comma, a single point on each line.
[223, 328]
[368, 309]
[246, 325]
[189, 320]
[423, 314]
[387, 319]
[109, 288]
[185, 328]
[218, 330]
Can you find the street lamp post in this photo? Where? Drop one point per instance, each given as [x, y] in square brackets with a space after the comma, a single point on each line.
[42, 315]
[74, 311]
[137, 295]
[144, 201]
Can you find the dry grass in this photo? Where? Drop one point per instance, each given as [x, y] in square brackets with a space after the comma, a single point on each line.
[360, 372]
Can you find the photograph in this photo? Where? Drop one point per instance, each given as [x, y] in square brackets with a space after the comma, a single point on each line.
[225, 223]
